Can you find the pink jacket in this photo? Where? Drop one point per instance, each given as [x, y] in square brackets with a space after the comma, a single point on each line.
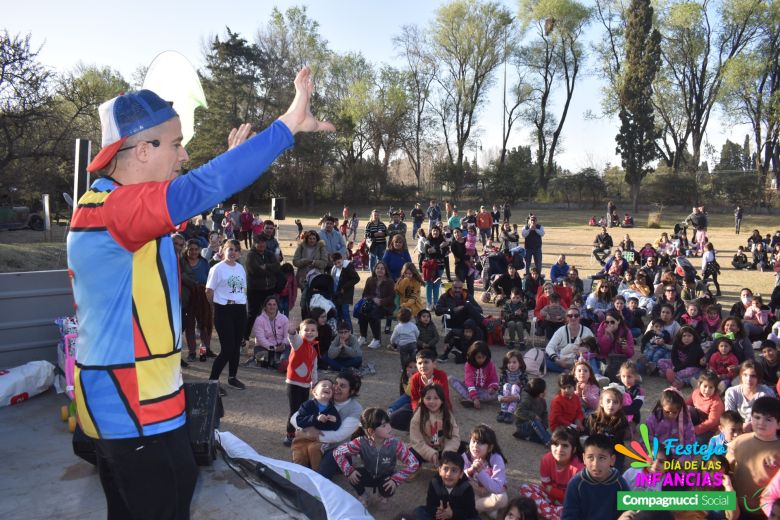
[770, 494]
[484, 377]
[712, 406]
[608, 345]
[271, 333]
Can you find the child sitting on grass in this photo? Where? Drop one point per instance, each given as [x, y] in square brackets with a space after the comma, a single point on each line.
[428, 333]
[591, 492]
[511, 383]
[557, 468]
[378, 451]
[754, 456]
[404, 337]
[531, 413]
[433, 429]
[729, 428]
[480, 378]
[705, 407]
[486, 469]
[450, 495]
[566, 407]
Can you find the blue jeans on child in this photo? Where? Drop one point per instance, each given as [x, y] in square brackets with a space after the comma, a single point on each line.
[533, 431]
[402, 401]
[653, 353]
[343, 314]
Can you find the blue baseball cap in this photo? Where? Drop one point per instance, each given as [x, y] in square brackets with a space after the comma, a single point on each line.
[126, 115]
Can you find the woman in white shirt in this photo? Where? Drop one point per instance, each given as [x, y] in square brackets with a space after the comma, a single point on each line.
[226, 289]
[710, 267]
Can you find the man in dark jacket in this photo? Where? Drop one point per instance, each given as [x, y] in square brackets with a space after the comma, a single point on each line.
[262, 274]
[345, 278]
[602, 245]
[418, 216]
[459, 305]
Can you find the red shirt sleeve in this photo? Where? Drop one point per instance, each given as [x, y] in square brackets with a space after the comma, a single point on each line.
[138, 213]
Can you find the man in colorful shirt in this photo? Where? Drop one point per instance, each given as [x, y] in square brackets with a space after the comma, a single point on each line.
[125, 274]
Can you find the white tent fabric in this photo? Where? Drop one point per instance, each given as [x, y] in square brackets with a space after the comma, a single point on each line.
[338, 503]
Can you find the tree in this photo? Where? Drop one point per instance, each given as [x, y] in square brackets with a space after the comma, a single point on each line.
[290, 40]
[752, 95]
[232, 84]
[388, 115]
[467, 41]
[25, 107]
[731, 158]
[636, 140]
[554, 56]
[516, 178]
[420, 69]
[699, 39]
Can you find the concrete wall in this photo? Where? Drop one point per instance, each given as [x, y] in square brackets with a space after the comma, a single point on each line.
[29, 303]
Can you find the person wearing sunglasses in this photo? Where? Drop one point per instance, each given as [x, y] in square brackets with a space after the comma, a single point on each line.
[572, 333]
[670, 296]
[615, 342]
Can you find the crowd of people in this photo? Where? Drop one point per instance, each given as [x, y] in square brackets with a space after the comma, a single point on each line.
[645, 314]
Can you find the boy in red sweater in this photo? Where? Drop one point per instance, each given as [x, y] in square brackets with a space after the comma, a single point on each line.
[301, 370]
[427, 373]
[566, 407]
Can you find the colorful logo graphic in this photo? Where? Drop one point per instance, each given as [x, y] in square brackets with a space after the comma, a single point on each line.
[643, 456]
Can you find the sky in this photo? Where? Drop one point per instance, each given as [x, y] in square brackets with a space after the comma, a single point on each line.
[126, 36]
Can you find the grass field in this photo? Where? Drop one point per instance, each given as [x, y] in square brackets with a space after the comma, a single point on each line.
[258, 414]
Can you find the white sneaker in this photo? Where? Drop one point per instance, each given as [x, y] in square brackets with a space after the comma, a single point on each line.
[362, 341]
[375, 344]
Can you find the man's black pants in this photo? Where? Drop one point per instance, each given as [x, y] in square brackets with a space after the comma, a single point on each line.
[148, 477]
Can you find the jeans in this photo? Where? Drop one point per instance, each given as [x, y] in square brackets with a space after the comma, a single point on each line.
[402, 401]
[485, 235]
[343, 314]
[328, 467]
[552, 366]
[533, 431]
[284, 306]
[407, 353]
[595, 365]
[432, 292]
[376, 256]
[415, 228]
[536, 254]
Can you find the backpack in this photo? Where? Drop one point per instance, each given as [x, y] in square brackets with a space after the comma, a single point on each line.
[535, 365]
[430, 269]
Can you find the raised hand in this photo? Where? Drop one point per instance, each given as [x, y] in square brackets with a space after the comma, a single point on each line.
[239, 135]
[298, 117]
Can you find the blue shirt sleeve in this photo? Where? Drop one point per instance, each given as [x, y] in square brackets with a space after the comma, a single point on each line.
[201, 189]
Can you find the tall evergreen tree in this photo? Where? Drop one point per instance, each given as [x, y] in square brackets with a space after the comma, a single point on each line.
[636, 140]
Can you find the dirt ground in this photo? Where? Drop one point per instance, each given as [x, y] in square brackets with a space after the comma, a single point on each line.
[258, 414]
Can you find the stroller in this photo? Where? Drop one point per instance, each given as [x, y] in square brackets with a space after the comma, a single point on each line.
[318, 292]
[493, 263]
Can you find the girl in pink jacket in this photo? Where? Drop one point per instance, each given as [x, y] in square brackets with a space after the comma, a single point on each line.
[481, 377]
